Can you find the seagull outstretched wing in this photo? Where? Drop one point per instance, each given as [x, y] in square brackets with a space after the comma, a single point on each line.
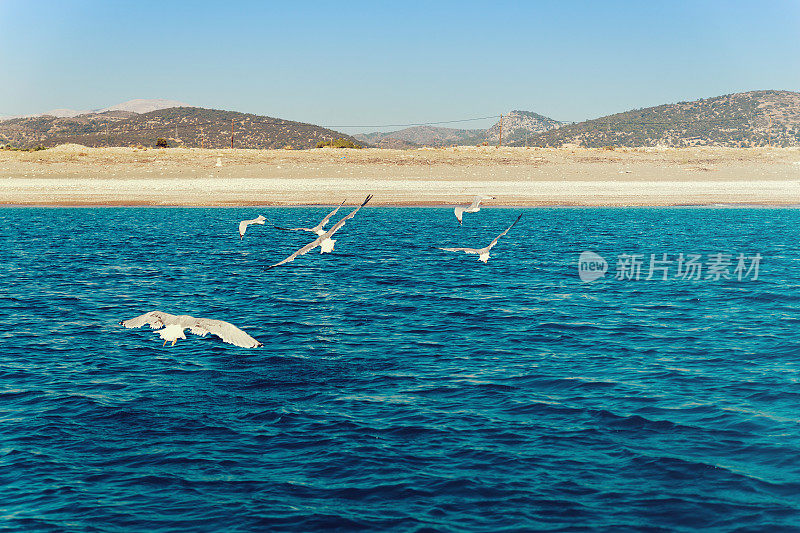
[465, 250]
[475, 202]
[491, 245]
[327, 218]
[316, 228]
[224, 330]
[244, 223]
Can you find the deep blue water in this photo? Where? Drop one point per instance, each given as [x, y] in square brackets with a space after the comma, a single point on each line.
[399, 387]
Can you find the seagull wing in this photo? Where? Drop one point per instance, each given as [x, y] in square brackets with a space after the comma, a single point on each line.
[506, 231]
[302, 251]
[244, 223]
[476, 202]
[465, 250]
[156, 320]
[225, 331]
[327, 218]
[341, 222]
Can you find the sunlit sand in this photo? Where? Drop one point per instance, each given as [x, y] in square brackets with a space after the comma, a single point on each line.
[76, 175]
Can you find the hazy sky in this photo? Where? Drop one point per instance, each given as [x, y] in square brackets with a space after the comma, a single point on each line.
[372, 63]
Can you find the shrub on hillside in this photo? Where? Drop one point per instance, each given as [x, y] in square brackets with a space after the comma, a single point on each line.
[162, 143]
[338, 143]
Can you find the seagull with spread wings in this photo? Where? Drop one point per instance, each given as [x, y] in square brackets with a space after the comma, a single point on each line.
[324, 241]
[482, 253]
[171, 328]
[318, 229]
[244, 223]
[474, 207]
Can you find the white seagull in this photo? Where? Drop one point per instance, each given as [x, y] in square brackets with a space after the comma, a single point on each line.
[482, 253]
[244, 223]
[173, 326]
[324, 241]
[318, 228]
[474, 207]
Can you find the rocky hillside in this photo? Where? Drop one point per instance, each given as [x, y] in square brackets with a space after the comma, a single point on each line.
[516, 125]
[519, 125]
[755, 118]
[181, 126]
[423, 136]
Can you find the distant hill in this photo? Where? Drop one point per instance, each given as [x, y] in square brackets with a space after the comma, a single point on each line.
[516, 125]
[424, 136]
[754, 118]
[519, 125]
[181, 126]
[141, 105]
[137, 106]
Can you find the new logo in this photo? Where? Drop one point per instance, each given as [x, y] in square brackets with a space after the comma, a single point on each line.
[591, 266]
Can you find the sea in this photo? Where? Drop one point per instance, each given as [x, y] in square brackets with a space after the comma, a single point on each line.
[607, 369]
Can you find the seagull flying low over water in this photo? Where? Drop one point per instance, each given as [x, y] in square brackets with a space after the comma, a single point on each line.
[173, 326]
[482, 253]
[324, 241]
[318, 228]
[244, 223]
[474, 207]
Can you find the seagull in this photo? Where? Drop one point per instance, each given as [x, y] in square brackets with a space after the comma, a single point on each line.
[173, 326]
[324, 241]
[482, 253]
[318, 228]
[244, 223]
[474, 207]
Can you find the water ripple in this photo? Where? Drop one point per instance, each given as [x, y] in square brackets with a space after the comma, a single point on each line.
[399, 387]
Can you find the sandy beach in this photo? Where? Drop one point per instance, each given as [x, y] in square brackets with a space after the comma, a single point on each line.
[73, 175]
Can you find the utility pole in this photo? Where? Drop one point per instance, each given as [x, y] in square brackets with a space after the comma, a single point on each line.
[231, 133]
[201, 137]
[500, 139]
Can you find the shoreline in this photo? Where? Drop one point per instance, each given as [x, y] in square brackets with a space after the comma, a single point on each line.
[398, 206]
[77, 176]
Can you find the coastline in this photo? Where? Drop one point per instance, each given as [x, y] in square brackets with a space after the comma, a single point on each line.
[74, 175]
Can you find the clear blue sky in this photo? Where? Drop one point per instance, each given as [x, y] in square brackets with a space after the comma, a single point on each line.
[373, 63]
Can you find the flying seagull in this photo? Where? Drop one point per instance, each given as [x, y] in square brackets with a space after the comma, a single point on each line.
[482, 253]
[244, 223]
[318, 228]
[173, 326]
[324, 241]
[474, 207]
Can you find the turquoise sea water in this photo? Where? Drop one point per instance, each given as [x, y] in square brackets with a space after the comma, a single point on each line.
[400, 387]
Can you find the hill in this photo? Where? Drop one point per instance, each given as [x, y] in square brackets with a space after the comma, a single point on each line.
[516, 126]
[755, 118]
[181, 126]
[519, 126]
[424, 136]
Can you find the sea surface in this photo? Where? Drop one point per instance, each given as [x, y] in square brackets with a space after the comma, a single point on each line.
[400, 387]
